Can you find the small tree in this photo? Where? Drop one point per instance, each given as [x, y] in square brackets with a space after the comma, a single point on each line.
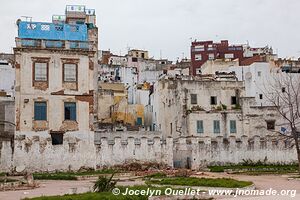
[283, 92]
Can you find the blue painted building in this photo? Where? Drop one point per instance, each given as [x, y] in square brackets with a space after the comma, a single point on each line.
[52, 31]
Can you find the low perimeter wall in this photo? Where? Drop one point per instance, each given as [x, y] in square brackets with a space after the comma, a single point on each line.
[33, 151]
[195, 153]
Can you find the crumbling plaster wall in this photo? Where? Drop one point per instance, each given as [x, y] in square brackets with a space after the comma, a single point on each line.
[118, 148]
[207, 151]
[35, 152]
[55, 94]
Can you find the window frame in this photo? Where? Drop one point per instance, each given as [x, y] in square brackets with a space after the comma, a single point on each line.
[71, 119]
[76, 68]
[233, 98]
[194, 102]
[34, 111]
[216, 100]
[232, 126]
[33, 71]
[199, 126]
[273, 125]
[216, 123]
[54, 135]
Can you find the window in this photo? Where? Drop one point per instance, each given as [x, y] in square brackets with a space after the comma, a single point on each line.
[70, 111]
[211, 56]
[40, 71]
[57, 138]
[260, 96]
[213, 100]
[232, 126]
[40, 111]
[259, 73]
[198, 57]
[134, 59]
[70, 72]
[193, 98]
[199, 48]
[143, 55]
[229, 55]
[216, 126]
[233, 100]
[283, 89]
[199, 126]
[271, 124]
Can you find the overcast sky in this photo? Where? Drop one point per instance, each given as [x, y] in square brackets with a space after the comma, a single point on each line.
[165, 27]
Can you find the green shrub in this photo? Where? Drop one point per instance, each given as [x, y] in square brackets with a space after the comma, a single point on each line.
[104, 184]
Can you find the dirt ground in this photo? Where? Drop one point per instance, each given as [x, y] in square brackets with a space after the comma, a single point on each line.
[49, 188]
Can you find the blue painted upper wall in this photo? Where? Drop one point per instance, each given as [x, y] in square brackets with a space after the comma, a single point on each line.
[51, 31]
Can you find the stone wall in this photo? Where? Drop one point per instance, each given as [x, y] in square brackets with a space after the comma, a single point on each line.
[198, 152]
[33, 151]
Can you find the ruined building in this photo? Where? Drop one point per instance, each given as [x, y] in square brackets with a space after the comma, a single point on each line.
[55, 86]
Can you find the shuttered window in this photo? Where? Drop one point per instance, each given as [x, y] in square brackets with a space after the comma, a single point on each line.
[193, 98]
[199, 126]
[70, 72]
[70, 111]
[232, 126]
[216, 126]
[40, 111]
[40, 71]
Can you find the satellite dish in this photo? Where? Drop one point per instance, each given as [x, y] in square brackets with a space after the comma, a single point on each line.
[18, 22]
[248, 75]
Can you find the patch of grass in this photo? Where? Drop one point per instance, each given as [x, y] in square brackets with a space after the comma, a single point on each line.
[55, 176]
[69, 175]
[260, 168]
[106, 195]
[208, 182]
[2, 174]
[2, 180]
[156, 175]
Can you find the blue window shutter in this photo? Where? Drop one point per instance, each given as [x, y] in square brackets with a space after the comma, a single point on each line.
[232, 126]
[40, 111]
[199, 126]
[216, 126]
[70, 111]
[73, 111]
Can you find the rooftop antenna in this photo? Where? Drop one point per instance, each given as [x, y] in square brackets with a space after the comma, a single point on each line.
[26, 18]
[160, 54]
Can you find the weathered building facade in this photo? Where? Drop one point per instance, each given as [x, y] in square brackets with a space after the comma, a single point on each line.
[55, 91]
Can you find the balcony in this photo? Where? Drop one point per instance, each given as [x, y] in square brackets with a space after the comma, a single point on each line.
[54, 44]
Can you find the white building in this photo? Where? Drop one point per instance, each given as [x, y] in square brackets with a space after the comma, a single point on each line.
[7, 78]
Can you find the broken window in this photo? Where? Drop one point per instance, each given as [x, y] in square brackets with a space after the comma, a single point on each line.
[40, 71]
[259, 73]
[40, 111]
[199, 126]
[70, 72]
[260, 96]
[198, 57]
[213, 100]
[229, 55]
[70, 111]
[57, 138]
[193, 98]
[211, 56]
[271, 124]
[232, 126]
[216, 126]
[233, 100]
